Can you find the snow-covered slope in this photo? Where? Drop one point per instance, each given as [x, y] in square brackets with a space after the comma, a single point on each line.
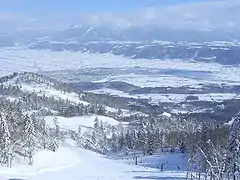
[45, 90]
[42, 86]
[84, 121]
[71, 162]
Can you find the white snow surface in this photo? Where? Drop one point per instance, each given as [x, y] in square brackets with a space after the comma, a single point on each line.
[156, 98]
[170, 161]
[72, 123]
[162, 80]
[19, 59]
[43, 89]
[125, 112]
[73, 163]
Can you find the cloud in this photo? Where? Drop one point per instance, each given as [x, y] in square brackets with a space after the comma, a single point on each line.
[13, 21]
[199, 15]
[205, 16]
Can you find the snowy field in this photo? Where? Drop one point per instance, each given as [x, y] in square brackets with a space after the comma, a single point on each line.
[156, 98]
[73, 163]
[17, 59]
[163, 80]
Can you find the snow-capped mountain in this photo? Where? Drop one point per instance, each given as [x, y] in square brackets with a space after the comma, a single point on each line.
[217, 51]
[196, 21]
[202, 31]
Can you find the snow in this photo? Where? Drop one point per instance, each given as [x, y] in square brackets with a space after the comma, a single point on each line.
[126, 112]
[217, 97]
[171, 161]
[230, 123]
[156, 98]
[72, 163]
[19, 59]
[72, 123]
[163, 80]
[166, 114]
[113, 92]
[42, 89]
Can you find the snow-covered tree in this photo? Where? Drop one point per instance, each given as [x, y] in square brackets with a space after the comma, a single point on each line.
[234, 145]
[5, 140]
[57, 133]
[113, 140]
[121, 141]
[45, 134]
[30, 141]
[142, 140]
[79, 136]
[96, 123]
[150, 143]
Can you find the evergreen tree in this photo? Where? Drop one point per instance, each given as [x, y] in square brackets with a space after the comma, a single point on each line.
[114, 143]
[30, 144]
[79, 136]
[234, 145]
[94, 137]
[150, 143]
[121, 141]
[142, 140]
[57, 134]
[5, 140]
[96, 123]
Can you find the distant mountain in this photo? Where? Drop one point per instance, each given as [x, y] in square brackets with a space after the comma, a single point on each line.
[227, 53]
[198, 21]
[186, 28]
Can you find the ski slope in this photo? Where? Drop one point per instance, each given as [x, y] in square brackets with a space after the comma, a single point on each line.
[73, 163]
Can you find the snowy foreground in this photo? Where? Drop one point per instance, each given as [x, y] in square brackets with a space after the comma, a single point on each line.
[73, 163]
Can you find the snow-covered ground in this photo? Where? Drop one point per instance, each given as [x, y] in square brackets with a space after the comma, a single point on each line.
[162, 80]
[19, 59]
[42, 89]
[156, 98]
[125, 112]
[169, 161]
[46, 90]
[73, 163]
[83, 121]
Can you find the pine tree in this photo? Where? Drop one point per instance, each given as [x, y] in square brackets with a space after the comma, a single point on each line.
[150, 143]
[79, 136]
[96, 123]
[142, 140]
[114, 143]
[129, 140]
[94, 137]
[44, 131]
[5, 140]
[134, 141]
[30, 134]
[121, 141]
[102, 136]
[234, 145]
[57, 133]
